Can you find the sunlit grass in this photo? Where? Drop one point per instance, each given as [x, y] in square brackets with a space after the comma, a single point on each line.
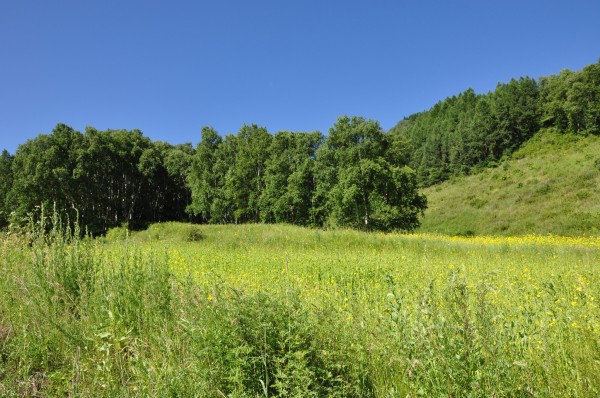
[550, 185]
[230, 309]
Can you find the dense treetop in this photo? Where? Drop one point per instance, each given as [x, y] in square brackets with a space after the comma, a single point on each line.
[352, 178]
[107, 177]
[467, 132]
[357, 176]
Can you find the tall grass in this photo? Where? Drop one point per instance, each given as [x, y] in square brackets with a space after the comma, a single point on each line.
[247, 311]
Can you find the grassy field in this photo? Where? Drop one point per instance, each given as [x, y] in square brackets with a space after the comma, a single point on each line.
[550, 185]
[273, 310]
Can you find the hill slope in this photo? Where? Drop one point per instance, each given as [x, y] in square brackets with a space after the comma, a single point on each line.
[550, 185]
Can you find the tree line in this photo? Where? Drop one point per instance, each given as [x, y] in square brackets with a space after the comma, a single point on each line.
[465, 133]
[102, 178]
[355, 177]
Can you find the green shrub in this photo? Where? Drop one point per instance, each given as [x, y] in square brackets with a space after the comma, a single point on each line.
[194, 234]
[258, 344]
[117, 233]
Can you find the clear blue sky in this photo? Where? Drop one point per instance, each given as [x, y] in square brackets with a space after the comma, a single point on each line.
[171, 67]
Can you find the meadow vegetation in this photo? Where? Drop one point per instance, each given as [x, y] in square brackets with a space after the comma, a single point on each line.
[495, 307]
[277, 310]
[550, 185]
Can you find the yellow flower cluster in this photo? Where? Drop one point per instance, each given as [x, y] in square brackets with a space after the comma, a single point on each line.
[531, 239]
[542, 288]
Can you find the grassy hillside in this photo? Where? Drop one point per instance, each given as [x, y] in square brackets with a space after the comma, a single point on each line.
[550, 185]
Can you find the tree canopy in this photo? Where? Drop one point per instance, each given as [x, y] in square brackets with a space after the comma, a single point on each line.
[6, 180]
[363, 184]
[465, 133]
[357, 176]
[354, 178]
[106, 177]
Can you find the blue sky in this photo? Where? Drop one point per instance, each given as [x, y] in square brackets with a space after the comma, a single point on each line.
[171, 67]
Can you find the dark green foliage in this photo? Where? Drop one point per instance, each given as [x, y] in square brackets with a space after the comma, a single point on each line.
[571, 100]
[289, 178]
[356, 178]
[6, 181]
[468, 132]
[246, 179]
[165, 168]
[104, 178]
[227, 176]
[195, 234]
[205, 178]
[361, 184]
[515, 107]
[43, 172]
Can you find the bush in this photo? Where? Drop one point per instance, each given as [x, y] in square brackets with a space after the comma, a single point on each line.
[264, 345]
[117, 233]
[194, 234]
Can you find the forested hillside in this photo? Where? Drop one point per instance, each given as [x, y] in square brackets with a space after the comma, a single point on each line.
[356, 176]
[465, 133]
[550, 185]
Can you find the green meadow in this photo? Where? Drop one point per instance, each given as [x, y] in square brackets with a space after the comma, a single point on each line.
[183, 310]
[550, 185]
